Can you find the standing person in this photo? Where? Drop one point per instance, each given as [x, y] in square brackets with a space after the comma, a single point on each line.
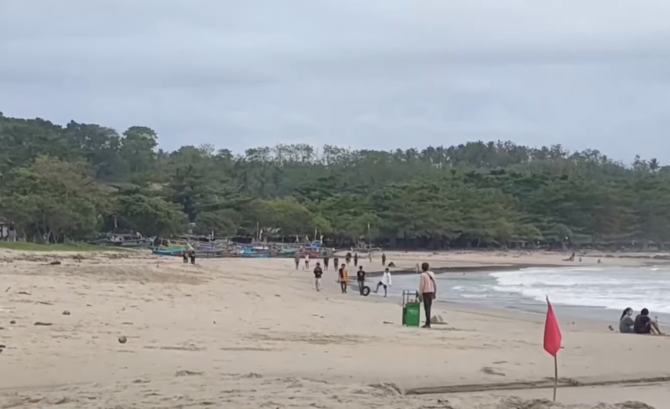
[370, 256]
[318, 272]
[336, 262]
[326, 259]
[348, 257]
[344, 277]
[427, 290]
[191, 252]
[355, 259]
[383, 259]
[297, 259]
[306, 261]
[360, 278]
[385, 281]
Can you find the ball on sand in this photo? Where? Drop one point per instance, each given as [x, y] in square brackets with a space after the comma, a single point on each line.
[122, 339]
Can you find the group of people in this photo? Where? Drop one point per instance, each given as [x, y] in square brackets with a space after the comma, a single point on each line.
[188, 254]
[385, 281]
[641, 324]
[427, 286]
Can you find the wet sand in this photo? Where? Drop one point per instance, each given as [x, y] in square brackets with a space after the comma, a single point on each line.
[250, 333]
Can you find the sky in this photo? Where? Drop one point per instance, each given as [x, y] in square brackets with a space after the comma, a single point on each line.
[373, 74]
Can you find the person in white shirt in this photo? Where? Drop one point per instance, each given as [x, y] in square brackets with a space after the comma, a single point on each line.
[384, 280]
[427, 290]
[306, 261]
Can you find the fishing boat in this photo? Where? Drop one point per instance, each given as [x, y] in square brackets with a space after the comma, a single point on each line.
[255, 252]
[123, 240]
[174, 250]
[367, 249]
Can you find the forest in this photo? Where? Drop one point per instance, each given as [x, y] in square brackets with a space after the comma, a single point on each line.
[67, 182]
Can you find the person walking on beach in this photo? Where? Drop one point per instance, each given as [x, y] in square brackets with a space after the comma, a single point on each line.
[360, 279]
[326, 259]
[343, 276]
[318, 272]
[355, 259]
[370, 256]
[385, 281]
[336, 262]
[427, 290]
[297, 260]
[384, 259]
[348, 257]
[306, 261]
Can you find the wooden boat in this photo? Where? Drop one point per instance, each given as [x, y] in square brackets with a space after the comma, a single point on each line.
[255, 252]
[177, 251]
[123, 240]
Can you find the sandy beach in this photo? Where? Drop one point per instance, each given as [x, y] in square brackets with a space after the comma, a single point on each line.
[253, 333]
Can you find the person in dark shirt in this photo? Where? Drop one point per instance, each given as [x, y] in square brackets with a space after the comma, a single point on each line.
[360, 278]
[326, 260]
[643, 323]
[318, 272]
[355, 259]
[336, 262]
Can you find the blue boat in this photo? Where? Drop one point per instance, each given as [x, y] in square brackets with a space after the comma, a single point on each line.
[254, 252]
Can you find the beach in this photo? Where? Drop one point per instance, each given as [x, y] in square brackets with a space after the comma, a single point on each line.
[250, 333]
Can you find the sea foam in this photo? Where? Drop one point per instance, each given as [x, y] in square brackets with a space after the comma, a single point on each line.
[611, 288]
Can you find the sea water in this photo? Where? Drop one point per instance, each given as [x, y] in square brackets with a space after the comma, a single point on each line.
[596, 293]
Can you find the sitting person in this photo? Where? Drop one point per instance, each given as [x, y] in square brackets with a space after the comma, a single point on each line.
[626, 322]
[645, 325]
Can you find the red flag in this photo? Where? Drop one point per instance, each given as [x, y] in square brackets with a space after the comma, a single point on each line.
[552, 334]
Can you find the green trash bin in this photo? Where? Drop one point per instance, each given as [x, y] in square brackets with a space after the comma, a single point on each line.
[411, 309]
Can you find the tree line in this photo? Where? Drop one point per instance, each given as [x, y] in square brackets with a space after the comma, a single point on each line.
[67, 182]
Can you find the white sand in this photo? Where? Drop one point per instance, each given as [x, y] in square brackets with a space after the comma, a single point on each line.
[240, 333]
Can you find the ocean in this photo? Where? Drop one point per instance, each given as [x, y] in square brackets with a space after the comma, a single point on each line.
[587, 292]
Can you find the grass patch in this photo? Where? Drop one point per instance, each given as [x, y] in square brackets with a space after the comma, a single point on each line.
[75, 247]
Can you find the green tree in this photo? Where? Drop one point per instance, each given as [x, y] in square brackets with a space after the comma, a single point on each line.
[52, 200]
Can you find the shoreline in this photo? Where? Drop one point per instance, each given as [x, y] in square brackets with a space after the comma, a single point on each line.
[480, 287]
[470, 269]
[255, 333]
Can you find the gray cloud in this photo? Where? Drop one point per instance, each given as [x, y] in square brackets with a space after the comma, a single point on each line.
[366, 74]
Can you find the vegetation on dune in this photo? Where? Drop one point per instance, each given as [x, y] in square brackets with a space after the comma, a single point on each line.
[66, 182]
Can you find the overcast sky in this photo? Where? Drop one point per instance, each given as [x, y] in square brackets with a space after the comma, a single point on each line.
[361, 73]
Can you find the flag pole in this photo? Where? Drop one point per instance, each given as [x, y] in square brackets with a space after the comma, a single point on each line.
[555, 375]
